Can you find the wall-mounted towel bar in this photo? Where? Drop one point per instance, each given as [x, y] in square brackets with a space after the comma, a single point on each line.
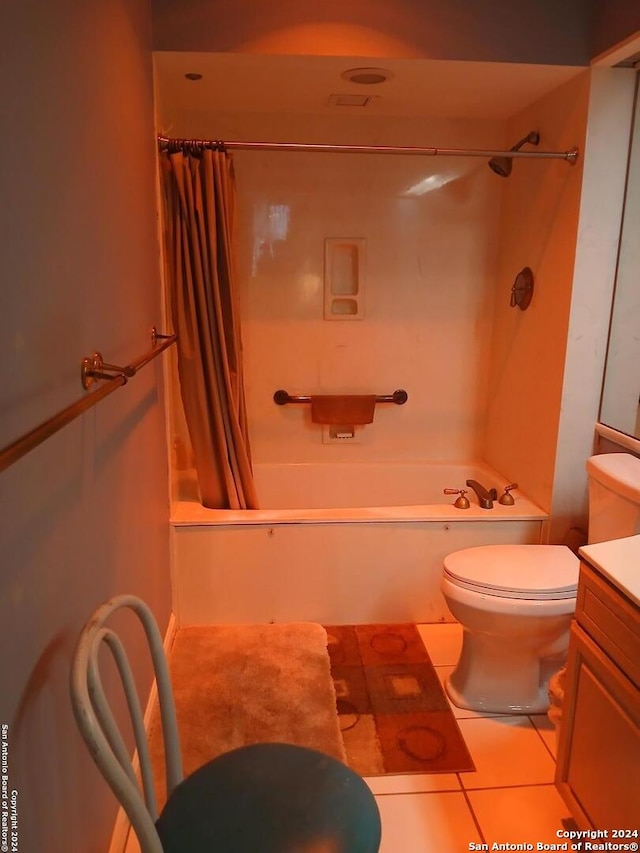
[281, 398]
[92, 369]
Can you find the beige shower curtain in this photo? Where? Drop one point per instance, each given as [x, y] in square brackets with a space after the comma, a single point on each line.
[199, 196]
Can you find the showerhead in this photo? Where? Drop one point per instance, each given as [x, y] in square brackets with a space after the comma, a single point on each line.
[502, 165]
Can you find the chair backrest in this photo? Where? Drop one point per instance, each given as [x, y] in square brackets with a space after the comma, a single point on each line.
[98, 726]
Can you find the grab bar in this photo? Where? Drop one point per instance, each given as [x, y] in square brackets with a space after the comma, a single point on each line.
[92, 369]
[281, 398]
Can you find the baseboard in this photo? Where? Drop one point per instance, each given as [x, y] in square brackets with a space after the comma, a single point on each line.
[122, 825]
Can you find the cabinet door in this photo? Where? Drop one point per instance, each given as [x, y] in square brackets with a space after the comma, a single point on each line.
[598, 771]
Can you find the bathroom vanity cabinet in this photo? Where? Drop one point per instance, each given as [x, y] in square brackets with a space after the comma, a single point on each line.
[598, 768]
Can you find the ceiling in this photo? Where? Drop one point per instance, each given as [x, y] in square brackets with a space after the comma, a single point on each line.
[303, 85]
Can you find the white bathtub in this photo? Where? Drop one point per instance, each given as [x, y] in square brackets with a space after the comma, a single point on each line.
[339, 544]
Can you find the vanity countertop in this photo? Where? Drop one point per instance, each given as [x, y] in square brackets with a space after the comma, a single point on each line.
[619, 561]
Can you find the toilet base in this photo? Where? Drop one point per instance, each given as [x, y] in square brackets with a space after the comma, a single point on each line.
[502, 680]
[489, 706]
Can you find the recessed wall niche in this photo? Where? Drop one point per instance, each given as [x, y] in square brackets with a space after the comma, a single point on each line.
[344, 260]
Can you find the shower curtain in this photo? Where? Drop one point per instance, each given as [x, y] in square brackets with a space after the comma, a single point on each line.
[199, 197]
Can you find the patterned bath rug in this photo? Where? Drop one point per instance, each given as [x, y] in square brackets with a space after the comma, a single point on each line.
[393, 713]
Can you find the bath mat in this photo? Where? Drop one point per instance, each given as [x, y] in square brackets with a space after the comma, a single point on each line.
[393, 713]
[240, 684]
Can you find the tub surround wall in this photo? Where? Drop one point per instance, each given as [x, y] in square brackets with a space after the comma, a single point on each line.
[538, 229]
[345, 484]
[428, 294]
[84, 515]
[604, 163]
[548, 362]
[428, 223]
[359, 492]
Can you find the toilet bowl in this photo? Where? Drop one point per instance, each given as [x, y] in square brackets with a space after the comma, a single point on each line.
[515, 604]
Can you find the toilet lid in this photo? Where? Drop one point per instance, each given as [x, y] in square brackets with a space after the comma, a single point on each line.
[516, 571]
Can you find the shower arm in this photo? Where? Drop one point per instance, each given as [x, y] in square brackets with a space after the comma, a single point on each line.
[174, 145]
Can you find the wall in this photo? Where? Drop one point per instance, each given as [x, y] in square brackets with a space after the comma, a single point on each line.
[428, 282]
[544, 32]
[613, 21]
[620, 392]
[605, 162]
[538, 230]
[85, 515]
[429, 227]
[547, 362]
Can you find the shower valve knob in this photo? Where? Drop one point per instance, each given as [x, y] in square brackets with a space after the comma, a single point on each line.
[507, 499]
[462, 502]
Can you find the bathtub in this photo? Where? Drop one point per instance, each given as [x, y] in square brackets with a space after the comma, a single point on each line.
[345, 543]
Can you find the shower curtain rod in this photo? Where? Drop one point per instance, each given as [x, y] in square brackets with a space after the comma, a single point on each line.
[166, 144]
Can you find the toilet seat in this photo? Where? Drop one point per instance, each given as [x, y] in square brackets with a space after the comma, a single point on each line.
[534, 572]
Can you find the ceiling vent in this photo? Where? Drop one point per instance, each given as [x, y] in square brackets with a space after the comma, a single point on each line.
[350, 100]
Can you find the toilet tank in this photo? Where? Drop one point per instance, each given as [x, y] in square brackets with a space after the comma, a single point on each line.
[614, 496]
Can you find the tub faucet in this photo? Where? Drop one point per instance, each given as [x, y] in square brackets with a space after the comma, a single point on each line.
[486, 497]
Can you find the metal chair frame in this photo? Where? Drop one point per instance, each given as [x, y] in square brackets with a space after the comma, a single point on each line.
[98, 726]
[333, 805]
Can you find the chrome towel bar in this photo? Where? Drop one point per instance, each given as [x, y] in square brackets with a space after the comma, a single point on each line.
[281, 398]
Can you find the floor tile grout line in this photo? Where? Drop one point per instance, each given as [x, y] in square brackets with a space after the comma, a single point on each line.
[555, 760]
[472, 812]
[550, 784]
[463, 790]
[421, 793]
[518, 785]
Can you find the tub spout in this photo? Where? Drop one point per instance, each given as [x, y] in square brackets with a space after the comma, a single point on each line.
[486, 497]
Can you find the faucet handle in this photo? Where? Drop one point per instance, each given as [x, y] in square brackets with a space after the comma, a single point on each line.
[507, 499]
[462, 502]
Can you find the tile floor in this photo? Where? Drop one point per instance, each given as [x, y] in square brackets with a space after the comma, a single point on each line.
[510, 799]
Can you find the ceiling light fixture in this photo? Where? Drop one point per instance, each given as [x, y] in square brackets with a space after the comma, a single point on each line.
[367, 76]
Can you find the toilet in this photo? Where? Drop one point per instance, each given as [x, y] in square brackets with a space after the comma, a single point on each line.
[515, 602]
